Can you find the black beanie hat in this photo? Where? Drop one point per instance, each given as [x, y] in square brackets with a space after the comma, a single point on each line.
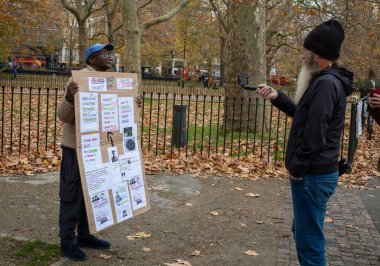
[325, 40]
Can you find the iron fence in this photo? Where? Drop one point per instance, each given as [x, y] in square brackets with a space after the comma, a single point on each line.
[29, 123]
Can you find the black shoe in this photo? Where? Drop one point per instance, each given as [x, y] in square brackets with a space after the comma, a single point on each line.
[73, 253]
[93, 242]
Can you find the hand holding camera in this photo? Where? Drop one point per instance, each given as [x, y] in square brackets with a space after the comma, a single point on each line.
[267, 92]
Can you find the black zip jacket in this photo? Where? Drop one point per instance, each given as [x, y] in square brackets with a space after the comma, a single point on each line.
[318, 120]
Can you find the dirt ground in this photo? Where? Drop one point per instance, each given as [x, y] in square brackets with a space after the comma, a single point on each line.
[179, 221]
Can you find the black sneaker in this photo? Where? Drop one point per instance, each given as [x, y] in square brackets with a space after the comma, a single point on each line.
[73, 253]
[93, 242]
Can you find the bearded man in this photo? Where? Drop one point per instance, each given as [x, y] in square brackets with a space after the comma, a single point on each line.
[314, 140]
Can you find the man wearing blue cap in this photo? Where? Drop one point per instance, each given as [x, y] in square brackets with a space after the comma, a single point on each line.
[72, 212]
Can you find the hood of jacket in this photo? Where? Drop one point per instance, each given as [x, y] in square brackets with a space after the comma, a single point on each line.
[345, 76]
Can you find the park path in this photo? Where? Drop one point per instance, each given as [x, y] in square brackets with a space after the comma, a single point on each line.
[181, 225]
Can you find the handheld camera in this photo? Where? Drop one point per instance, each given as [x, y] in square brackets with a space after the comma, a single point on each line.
[243, 82]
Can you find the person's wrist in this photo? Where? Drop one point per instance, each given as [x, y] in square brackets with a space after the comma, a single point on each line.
[69, 100]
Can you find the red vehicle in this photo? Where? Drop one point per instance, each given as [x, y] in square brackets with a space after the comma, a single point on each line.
[280, 80]
[30, 61]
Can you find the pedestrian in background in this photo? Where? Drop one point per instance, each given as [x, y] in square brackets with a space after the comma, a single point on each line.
[314, 141]
[14, 71]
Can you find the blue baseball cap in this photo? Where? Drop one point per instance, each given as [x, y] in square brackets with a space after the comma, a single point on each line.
[96, 48]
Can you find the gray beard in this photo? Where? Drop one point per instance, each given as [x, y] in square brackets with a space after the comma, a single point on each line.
[303, 82]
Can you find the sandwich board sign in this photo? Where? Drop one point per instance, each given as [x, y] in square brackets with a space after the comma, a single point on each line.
[108, 151]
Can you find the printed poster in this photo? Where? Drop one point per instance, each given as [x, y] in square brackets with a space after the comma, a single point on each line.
[88, 112]
[122, 202]
[126, 112]
[124, 84]
[101, 207]
[136, 185]
[110, 114]
[97, 84]
[113, 158]
[130, 165]
[91, 150]
[98, 177]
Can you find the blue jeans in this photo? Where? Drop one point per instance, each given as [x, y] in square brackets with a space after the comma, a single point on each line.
[310, 196]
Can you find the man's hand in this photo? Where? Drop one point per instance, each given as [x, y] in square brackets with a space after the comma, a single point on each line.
[71, 89]
[374, 100]
[267, 92]
[139, 101]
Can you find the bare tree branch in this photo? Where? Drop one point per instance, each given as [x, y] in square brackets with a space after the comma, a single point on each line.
[143, 5]
[219, 15]
[165, 17]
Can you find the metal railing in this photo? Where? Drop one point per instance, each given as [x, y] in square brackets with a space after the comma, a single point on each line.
[29, 123]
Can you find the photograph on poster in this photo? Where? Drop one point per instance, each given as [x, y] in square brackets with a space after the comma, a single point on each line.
[130, 144]
[113, 159]
[130, 130]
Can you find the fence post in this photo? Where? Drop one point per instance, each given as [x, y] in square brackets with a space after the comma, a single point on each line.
[352, 139]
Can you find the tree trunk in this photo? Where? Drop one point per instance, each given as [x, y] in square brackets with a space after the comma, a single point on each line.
[222, 64]
[132, 34]
[82, 42]
[244, 54]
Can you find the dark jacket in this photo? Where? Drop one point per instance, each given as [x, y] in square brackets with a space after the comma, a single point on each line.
[318, 120]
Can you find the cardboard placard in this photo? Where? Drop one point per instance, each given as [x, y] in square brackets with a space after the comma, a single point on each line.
[108, 150]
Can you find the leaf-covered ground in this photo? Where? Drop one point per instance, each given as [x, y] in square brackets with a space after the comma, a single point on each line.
[365, 164]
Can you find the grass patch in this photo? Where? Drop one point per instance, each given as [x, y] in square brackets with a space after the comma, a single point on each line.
[39, 253]
[222, 140]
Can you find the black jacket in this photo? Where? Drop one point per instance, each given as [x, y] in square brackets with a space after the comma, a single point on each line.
[318, 120]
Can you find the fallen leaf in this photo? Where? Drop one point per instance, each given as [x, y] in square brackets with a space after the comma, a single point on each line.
[160, 188]
[179, 262]
[215, 213]
[243, 225]
[328, 220]
[259, 222]
[146, 249]
[238, 189]
[252, 195]
[188, 204]
[138, 235]
[250, 253]
[196, 253]
[104, 256]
